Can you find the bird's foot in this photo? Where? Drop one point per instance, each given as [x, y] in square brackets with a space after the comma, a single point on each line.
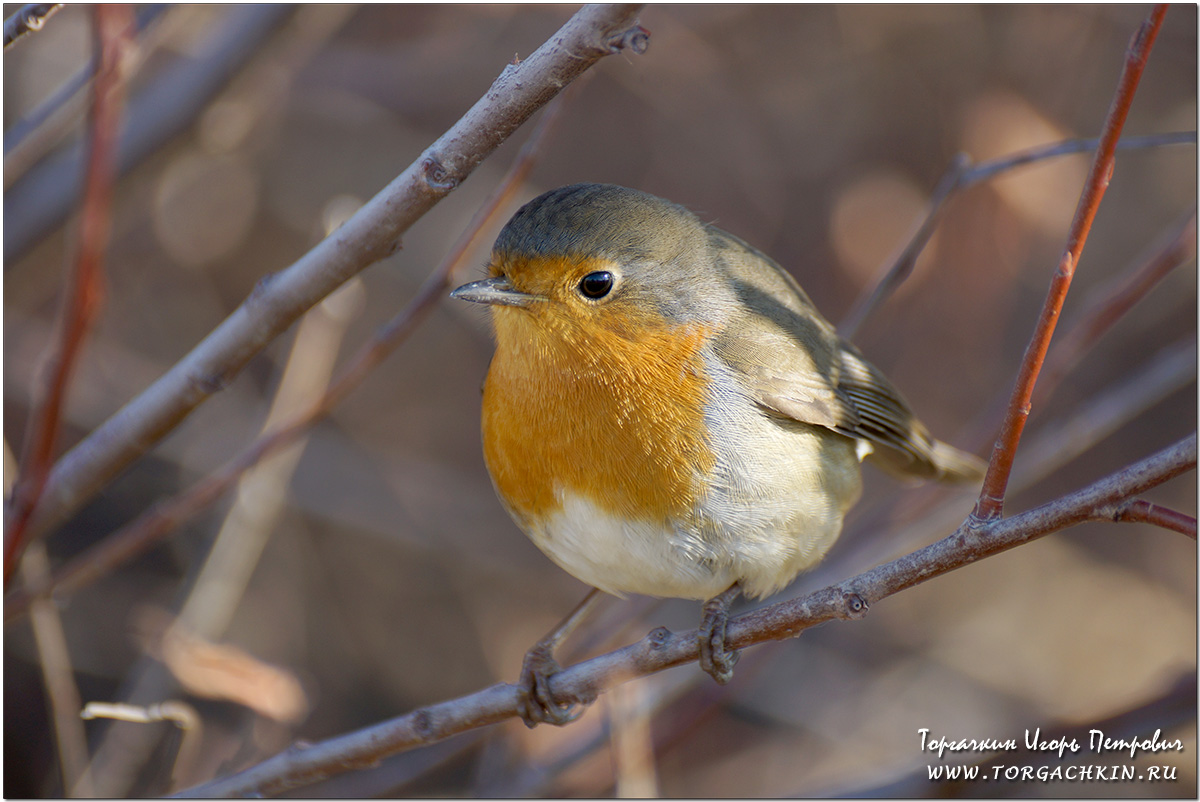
[536, 703]
[715, 659]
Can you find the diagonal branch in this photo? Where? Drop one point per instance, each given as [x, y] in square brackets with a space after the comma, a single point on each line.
[662, 649]
[370, 235]
[960, 175]
[1176, 247]
[30, 17]
[995, 482]
[154, 524]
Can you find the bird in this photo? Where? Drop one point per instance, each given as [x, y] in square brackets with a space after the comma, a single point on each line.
[667, 413]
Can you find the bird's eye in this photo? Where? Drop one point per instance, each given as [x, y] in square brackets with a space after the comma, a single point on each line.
[597, 284]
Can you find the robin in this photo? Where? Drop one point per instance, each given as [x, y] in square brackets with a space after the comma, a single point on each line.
[668, 414]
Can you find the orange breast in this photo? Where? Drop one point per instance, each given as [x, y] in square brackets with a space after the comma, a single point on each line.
[615, 417]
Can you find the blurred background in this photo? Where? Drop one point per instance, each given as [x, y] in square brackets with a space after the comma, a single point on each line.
[374, 571]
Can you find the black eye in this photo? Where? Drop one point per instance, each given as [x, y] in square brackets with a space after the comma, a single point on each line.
[596, 285]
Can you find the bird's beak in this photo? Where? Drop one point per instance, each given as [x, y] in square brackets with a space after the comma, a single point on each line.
[495, 290]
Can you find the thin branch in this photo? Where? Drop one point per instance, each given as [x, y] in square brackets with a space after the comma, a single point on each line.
[1102, 310]
[995, 482]
[1142, 511]
[1175, 248]
[251, 520]
[181, 714]
[44, 197]
[960, 175]
[1057, 442]
[370, 235]
[902, 266]
[58, 678]
[993, 167]
[42, 128]
[262, 491]
[662, 649]
[164, 517]
[632, 748]
[85, 292]
[30, 17]
[936, 508]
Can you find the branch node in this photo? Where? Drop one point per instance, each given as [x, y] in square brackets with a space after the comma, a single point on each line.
[436, 174]
[658, 637]
[211, 383]
[423, 724]
[262, 288]
[636, 39]
[977, 522]
[855, 605]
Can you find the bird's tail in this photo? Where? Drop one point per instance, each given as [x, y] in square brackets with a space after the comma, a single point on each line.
[956, 466]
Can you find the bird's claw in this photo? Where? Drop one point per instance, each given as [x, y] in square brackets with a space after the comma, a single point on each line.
[536, 703]
[715, 659]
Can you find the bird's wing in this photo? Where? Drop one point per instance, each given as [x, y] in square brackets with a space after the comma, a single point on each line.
[792, 362]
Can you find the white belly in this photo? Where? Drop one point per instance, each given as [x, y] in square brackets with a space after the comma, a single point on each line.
[760, 534]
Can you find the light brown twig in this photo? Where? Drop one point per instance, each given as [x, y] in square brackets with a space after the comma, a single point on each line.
[58, 677]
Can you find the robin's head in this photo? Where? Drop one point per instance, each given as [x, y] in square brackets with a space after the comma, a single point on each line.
[597, 255]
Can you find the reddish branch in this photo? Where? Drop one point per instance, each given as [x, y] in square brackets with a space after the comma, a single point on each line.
[85, 291]
[1176, 248]
[1172, 249]
[991, 497]
[1142, 511]
[156, 523]
[662, 649]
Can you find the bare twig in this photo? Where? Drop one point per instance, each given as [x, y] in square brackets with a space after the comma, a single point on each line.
[372, 234]
[993, 167]
[995, 482]
[181, 714]
[30, 17]
[960, 175]
[631, 742]
[1057, 442]
[85, 292]
[42, 199]
[43, 127]
[54, 657]
[662, 649]
[152, 525]
[1142, 511]
[1101, 312]
[902, 266]
[1175, 248]
[262, 491]
[221, 581]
